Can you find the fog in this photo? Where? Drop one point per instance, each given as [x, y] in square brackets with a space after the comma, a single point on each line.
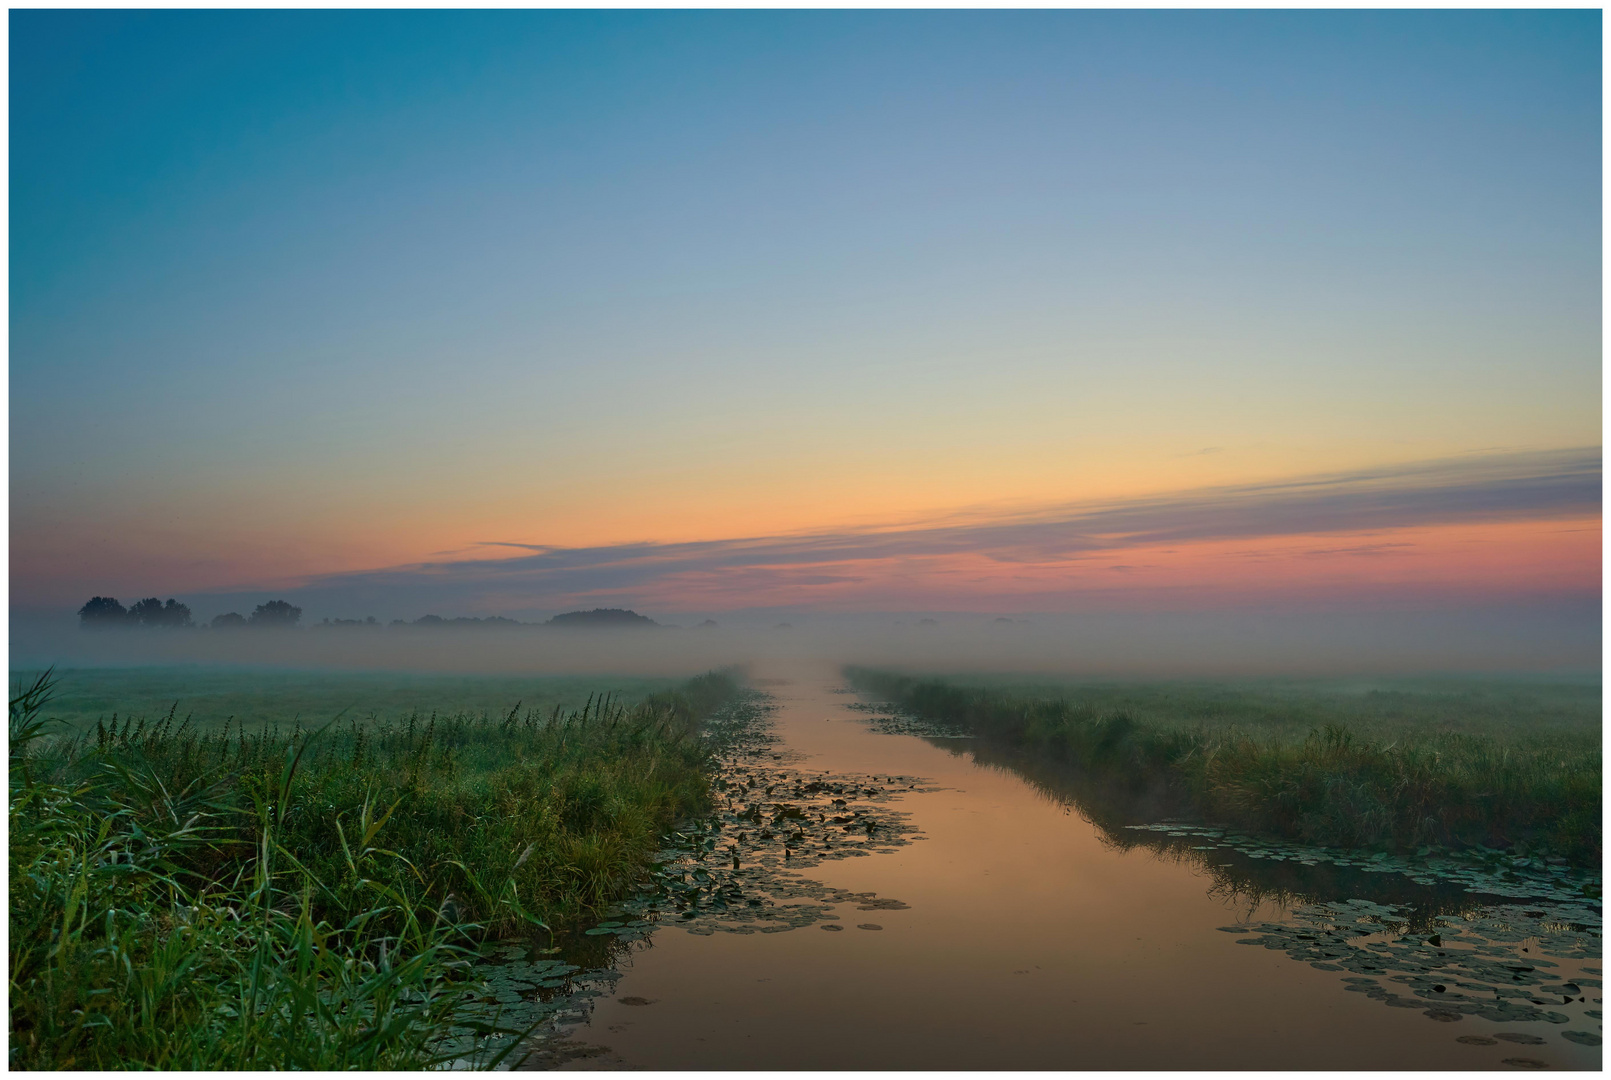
[1562, 638]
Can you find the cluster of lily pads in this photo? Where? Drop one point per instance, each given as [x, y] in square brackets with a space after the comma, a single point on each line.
[1488, 871]
[1488, 955]
[520, 992]
[1491, 963]
[887, 719]
[739, 870]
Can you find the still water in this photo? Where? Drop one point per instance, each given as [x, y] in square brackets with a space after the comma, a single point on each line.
[1012, 933]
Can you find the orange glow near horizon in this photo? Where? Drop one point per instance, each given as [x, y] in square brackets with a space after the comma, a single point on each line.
[1014, 553]
[1491, 561]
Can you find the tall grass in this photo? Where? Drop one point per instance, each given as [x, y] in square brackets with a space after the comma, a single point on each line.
[295, 899]
[1329, 786]
[211, 697]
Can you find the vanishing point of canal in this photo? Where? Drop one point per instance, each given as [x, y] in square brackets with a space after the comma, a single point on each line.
[1026, 939]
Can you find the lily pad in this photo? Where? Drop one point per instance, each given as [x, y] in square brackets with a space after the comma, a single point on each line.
[1582, 1038]
[1477, 1040]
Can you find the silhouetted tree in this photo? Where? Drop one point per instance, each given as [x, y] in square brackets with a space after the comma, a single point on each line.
[224, 622]
[153, 612]
[607, 617]
[275, 613]
[102, 611]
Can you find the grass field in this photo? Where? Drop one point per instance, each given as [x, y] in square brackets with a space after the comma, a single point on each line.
[211, 697]
[192, 896]
[1390, 764]
[1386, 708]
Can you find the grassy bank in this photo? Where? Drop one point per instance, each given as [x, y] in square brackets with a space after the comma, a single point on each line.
[281, 898]
[1394, 774]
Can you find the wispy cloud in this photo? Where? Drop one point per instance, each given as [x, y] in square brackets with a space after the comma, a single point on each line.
[1506, 487]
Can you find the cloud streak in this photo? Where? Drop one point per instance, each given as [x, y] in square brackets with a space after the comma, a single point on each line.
[1496, 488]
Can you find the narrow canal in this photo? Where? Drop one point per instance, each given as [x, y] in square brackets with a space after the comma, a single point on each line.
[1010, 932]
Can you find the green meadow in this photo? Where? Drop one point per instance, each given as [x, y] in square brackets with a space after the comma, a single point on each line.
[1395, 764]
[211, 697]
[307, 893]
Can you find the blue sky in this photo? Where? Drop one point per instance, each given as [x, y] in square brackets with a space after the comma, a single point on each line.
[307, 293]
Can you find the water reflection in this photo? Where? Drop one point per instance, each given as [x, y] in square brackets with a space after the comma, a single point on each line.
[1508, 947]
[1026, 938]
[1260, 870]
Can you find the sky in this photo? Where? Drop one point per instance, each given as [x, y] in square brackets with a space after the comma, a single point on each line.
[1056, 311]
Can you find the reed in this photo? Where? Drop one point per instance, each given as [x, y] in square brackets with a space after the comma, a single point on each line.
[1538, 793]
[311, 899]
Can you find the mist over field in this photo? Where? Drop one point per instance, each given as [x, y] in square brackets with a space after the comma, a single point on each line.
[1563, 637]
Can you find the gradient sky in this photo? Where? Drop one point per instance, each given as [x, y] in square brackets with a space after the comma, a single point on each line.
[825, 309]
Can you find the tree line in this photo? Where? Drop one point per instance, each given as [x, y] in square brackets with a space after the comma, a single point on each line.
[104, 612]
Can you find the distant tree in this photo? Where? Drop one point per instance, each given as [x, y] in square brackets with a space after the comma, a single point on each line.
[275, 613]
[153, 612]
[232, 619]
[606, 617]
[102, 611]
[462, 621]
[147, 612]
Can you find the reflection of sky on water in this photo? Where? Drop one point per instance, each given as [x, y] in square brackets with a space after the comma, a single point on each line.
[1030, 937]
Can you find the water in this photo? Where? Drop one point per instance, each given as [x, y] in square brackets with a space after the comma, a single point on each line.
[1028, 939]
